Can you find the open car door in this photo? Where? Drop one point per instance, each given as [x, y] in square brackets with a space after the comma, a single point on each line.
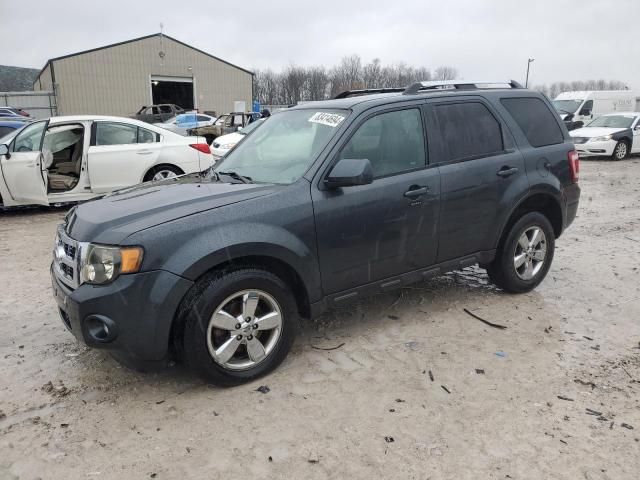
[23, 168]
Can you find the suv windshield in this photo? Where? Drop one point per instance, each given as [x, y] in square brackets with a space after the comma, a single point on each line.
[284, 147]
[567, 106]
[613, 121]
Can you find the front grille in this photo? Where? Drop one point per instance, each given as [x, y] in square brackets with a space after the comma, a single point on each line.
[66, 259]
[579, 140]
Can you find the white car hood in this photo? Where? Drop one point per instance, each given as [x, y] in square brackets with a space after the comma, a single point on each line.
[229, 138]
[590, 132]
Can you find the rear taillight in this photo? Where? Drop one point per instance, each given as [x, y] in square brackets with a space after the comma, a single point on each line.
[574, 165]
[201, 147]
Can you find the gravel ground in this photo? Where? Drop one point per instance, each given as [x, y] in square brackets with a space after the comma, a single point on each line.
[418, 389]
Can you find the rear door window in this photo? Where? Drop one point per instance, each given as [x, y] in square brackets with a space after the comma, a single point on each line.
[535, 120]
[468, 130]
[116, 134]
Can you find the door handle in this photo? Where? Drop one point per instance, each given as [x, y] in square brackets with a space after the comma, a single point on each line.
[144, 152]
[416, 192]
[505, 172]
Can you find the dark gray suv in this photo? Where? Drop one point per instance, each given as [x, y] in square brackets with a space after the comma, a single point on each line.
[325, 203]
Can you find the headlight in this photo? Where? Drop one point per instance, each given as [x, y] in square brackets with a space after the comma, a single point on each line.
[227, 146]
[604, 138]
[101, 264]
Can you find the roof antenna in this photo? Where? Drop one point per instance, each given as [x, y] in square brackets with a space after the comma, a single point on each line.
[161, 53]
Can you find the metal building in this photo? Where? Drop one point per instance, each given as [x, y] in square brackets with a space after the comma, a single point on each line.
[119, 79]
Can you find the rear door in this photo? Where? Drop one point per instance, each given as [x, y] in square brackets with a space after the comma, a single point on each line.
[481, 174]
[120, 154]
[23, 168]
[371, 232]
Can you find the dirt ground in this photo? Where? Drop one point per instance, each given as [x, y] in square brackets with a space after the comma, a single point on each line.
[418, 388]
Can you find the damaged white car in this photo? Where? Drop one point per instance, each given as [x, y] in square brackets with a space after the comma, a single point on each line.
[70, 159]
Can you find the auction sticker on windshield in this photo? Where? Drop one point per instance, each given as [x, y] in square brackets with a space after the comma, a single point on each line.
[329, 119]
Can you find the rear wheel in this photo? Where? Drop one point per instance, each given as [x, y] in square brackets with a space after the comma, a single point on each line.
[524, 257]
[239, 325]
[162, 172]
[621, 151]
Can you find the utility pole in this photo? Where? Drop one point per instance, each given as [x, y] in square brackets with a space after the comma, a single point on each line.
[526, 82]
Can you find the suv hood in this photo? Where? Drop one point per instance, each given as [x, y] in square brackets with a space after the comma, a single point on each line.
[112, 218]
[590, 132]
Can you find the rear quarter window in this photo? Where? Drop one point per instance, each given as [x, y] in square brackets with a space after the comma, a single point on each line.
[535, 120]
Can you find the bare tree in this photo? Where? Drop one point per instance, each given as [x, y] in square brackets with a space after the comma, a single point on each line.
[316, 85]
[445, 73]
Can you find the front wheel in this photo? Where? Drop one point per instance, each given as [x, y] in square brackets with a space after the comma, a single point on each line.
[524, 257]
[621, 151]
[239, 326]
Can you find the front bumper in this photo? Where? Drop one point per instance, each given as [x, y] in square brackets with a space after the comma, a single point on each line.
[596, 149]
[138, 310]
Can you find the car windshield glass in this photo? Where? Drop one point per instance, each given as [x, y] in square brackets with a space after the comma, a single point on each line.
[251, 127]
[282, 150]
[6, 140]
[613, 121]
[567, 106]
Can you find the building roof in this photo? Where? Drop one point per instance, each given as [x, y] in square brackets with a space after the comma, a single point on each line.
[51, 60]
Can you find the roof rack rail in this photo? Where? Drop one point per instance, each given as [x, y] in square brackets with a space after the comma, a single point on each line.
[458, 85]
[367, 91]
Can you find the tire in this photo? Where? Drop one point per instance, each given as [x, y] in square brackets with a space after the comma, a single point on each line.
[621, 150]
[232, 292]
[164, 171]
[503, 271]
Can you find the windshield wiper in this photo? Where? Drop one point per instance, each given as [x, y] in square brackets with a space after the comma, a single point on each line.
[236, 176]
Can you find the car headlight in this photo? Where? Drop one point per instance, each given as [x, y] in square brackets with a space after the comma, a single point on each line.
[227, 146]
[102, 264]
[604, 138]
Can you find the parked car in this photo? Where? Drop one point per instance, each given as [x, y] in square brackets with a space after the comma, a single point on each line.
[225, 143]
[184, 122]
[14, 111]
[225, 124]
[614, 135]
[9, 126]
[69, 159]
[579, 108]
[324, 203]
[158, 113]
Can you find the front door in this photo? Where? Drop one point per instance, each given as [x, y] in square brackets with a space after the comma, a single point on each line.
[23, 168]
[372, 232]
[120, 154]
[479, 169]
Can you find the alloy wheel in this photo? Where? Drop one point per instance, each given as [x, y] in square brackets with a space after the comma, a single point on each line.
[244, 329]
[621, 151]
[530, 253]
[164, 174]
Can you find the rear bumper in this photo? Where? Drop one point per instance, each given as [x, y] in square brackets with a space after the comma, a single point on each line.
[138, 311]
[571, 198]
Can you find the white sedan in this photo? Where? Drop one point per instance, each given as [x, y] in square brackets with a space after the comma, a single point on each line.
[187, 121]
[616, 135]
[225, 143]
[75, 158]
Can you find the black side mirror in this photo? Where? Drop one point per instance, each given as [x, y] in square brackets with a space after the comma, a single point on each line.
[349, 172]
[585, 111]
[4, 150]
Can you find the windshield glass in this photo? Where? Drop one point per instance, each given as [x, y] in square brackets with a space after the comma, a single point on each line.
[185, 118]
[284, 147]
[567, 106]
[613, 121]
[251, 127]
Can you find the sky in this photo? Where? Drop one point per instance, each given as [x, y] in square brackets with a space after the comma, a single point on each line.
[483, 39]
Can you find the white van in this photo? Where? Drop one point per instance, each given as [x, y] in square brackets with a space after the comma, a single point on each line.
[579, 108]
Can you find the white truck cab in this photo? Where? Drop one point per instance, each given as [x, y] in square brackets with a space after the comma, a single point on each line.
[581, 107]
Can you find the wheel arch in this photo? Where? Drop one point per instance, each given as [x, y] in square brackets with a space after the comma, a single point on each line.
[160, 165]
[543, 202]
[282, 269]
